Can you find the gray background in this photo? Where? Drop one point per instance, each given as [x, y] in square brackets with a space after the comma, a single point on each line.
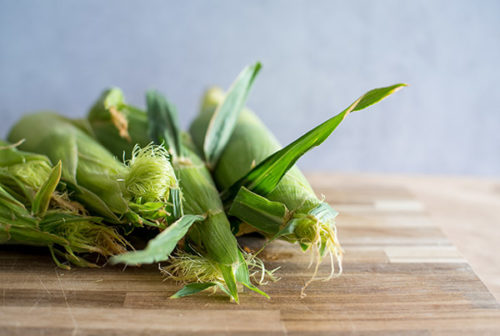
[318, 56]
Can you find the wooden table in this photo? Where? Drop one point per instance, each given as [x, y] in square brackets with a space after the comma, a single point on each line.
[401, 276]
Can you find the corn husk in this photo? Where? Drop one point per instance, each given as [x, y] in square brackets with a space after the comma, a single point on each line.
[209, 238]
[118, 125]
[32, 212]
[260, 184]
[250, 143]
[136, 193]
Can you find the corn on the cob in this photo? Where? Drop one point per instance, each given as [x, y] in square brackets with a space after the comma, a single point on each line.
[135, 193]
[260, 184]
[250, 143]
[33, 213]
[212, 237]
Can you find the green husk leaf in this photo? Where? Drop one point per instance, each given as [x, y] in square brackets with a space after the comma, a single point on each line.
[224, 119]
[164, 123]
[218, 242]
[68, 152]
[176, 200]
[243, 276]
[164, 129]
[10, 202]
[160, 247]
[192, 288]
[27, 234]
[95, 203]
[230, 280]
[287, 230]
[58, 263]
[223, 288]
[265, 176]
[258, 211]
[43, 196]
[256, 289]
[242, 273]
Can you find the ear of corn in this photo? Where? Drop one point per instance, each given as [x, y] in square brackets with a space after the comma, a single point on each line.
[253, 159]
[250, 143]
[34, 217]
[210, 238]
[213, 234]
[135, 193]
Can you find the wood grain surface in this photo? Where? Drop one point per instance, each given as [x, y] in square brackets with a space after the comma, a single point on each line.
[402, 276]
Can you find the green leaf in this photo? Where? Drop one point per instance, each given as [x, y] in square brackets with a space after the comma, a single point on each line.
[192, 288]
[11, 203]
[223, 288]
[256, 290]
[224, 119]
[15, 187]
[258, 211]
[243, 276]
[28, 235]
[266, 176]
[375, 95]
[230, 280]
[242, 273]
[66, 150]
[10, 155]
[287, 230]
[160, 247]
[44, 195]
[176, 200]
[163, 122]
[58, 263]
[95, 203]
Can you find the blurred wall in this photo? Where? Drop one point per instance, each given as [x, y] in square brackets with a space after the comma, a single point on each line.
[318, 57]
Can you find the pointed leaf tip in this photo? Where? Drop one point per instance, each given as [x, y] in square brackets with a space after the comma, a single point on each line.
[163, 122]
[224, 119]
[376, 95]
[160, 247]
[192, 288]
[44, 195]
[266, 175]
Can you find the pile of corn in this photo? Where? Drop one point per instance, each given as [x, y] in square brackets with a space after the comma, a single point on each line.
[86, 188]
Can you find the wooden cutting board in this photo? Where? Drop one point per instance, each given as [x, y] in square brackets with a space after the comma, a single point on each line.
[401, 276]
